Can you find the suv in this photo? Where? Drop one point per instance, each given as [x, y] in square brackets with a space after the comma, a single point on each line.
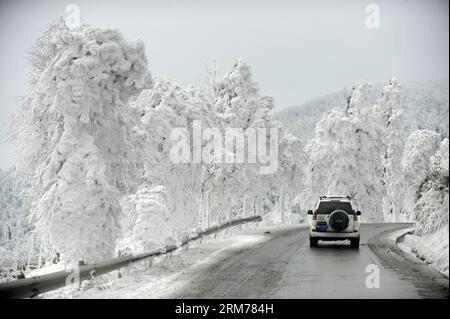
[334, 218]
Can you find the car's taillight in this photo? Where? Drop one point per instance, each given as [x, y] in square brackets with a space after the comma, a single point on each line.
[314, 217]
[355, 218]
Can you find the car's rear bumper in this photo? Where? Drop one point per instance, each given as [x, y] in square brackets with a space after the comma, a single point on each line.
[333, 235]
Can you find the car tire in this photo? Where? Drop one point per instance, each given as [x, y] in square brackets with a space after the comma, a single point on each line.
[313, 242]
[354, 242]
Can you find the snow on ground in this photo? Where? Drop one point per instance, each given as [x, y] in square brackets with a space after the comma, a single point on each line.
[139, 280]
[47, 269]
[432, 249]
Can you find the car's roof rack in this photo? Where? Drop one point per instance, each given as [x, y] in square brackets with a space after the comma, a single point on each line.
[325, 196]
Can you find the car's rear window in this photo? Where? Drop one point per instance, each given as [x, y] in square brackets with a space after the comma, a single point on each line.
[328, 207]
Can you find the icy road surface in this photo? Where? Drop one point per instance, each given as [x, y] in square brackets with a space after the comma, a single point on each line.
[277, 262]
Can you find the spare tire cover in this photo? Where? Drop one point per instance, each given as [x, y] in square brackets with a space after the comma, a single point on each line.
[338, 220]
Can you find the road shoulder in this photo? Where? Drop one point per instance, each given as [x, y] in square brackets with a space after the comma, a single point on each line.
[428, 282]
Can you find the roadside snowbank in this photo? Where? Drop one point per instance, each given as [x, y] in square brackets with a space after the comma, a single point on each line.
[427, 197]
[431, 248]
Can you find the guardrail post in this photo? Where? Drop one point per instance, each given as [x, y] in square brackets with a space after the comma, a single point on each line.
[149, 262]
[119, 271]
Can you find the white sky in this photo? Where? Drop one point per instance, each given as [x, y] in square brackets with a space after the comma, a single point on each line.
[298, 49]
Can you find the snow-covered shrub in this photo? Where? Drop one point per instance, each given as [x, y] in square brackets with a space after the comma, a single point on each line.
[431, 211]
[75, 136]
[147, 220]
[8, 264]
[16, 224]
[14, 210]
[431, 208]
[419, 147]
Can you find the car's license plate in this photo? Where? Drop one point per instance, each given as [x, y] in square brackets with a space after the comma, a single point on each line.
[322, 227]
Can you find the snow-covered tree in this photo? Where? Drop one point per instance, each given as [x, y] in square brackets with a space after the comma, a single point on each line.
[289, 180]
[75, 136]
[391, 120]
[425, 105]
[199, 192]
[346, 156]
[95, 138]
[238, 101]
[222, 105]
[239, 105]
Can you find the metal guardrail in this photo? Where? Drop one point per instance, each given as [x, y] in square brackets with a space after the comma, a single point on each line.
[31, 287]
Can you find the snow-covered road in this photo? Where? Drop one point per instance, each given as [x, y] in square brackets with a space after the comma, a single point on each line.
[277, 262]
